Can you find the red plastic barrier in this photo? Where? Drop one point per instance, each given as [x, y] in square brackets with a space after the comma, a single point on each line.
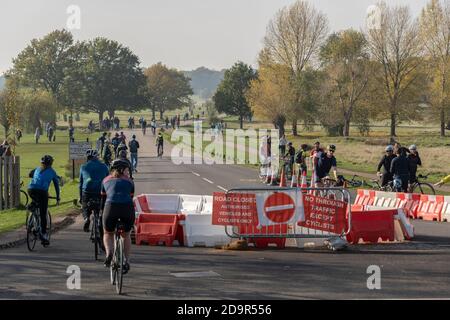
[264, 242]
[372, 225]
[154, 228]
[409, 202]
[365, 197]
[430, 207]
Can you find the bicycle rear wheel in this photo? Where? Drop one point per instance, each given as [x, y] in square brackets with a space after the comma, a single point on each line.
[24, 198]
[32, 232]
[119, 265]
[424, 188]
[49, 224]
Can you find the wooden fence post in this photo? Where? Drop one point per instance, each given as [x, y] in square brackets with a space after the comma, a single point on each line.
[5, 183]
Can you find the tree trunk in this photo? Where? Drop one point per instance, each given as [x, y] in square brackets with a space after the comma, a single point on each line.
[100, 117]
[241, 122]
[294, 127]
[346, 131]
[393, 127]
[153, 113]
[161, 115]
[111, 114]
[442, 118]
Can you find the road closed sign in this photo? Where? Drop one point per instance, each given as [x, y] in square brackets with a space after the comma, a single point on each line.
[77, 150]
[279, 207]
[234, 209]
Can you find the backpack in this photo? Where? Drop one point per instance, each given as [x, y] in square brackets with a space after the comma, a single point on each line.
[299, 157]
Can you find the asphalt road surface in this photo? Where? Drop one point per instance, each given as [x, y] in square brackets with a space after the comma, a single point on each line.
[419, 269]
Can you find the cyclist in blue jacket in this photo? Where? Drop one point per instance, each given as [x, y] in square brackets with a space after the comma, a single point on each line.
[92, 174]
[41, 178]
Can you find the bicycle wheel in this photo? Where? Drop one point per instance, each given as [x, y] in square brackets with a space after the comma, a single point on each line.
[424, 188]
[120, 262]
[23, 198]
[49, 225]
[32, 232]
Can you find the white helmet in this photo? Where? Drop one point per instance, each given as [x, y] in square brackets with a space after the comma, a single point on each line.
[389, 148]
[413, 147]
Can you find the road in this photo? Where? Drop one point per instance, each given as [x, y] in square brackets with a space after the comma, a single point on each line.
[416, 270]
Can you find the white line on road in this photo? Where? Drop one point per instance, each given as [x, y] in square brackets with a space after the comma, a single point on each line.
[209, 181]
[195, 174]
[222, 188]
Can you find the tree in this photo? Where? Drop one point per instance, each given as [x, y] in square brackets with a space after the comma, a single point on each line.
[435, 32]
[346, 61]
[292, 39]
[271, 95]
[395, 45]
[166, 89]
[111, 78]
[36, 106]
[230, 97]
[44, 63]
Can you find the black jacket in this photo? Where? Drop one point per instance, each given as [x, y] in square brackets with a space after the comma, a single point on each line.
[400, 166]
[385, 163]
[414, 161]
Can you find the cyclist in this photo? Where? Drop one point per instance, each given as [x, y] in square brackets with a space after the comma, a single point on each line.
[92, 174]
[123, 155]
[400, 170]
[443, 181]
[115, 142]
[107, 154]
[315, 154]
[326, 163]
[385, 163]
[101, 142]
[414, 161]
[122, 146]
[38, 191]
[160, 144]
[134, 146]
[117, 203]
[144, 126]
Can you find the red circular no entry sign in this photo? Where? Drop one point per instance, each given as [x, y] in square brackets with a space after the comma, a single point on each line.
[279, 207]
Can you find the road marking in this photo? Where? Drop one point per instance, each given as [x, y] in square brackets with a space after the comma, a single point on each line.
[195, 174]
[209, 181]
[222, 188]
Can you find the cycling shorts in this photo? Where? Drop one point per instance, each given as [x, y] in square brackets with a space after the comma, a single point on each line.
[115, 211]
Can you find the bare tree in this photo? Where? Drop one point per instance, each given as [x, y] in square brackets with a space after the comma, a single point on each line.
[395, 44]
[435, 31]
[292, 39]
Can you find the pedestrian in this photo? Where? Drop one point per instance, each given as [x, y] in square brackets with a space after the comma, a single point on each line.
[101, 142]
[4, 148]
[18, 134]
[37, 135]
[50, 133]
[71, 133]
[134, 146]
[115, 143]
[167, 123]
[283, 143]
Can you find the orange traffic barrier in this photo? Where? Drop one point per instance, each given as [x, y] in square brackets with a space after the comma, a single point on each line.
[370, 226]
[153, 228]
[278, 229]
[431, 207]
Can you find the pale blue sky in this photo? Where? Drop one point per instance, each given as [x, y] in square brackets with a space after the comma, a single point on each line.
[184, 34]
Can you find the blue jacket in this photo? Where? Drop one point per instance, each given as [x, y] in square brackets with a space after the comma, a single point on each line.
[118, 190]
[92, 174]
[41, 180]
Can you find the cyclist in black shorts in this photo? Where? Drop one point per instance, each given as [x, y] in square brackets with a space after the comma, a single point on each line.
[117, 203]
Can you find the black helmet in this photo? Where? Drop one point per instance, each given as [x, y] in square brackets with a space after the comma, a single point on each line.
[332, 147]
[123, 154]
[92, 153]
[47, 160]
[120, 164]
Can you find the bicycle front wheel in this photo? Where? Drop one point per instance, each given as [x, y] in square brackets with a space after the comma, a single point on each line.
[32, 232]
[23, 198]
[424, 188]
[49, 224]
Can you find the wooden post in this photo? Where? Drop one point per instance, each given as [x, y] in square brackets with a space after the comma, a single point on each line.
[5, 183]
[73, 169]
[11, 183]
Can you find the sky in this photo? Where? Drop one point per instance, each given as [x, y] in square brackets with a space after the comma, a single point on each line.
[184, 34]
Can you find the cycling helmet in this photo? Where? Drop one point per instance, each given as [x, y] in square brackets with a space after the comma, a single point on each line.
[290, 144]
[397, 184]
[389, 148]
[413, 147]
[47, 160]
[92, 153]
[120, 164]
[332, 147]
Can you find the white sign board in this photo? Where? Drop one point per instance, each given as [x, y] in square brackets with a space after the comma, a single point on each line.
[77, 150]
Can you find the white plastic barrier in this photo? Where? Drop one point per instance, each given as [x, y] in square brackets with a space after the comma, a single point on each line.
[190, 203]
[385, 199]
[199, 231]
[446, 210]
[207, 206]
[164, 203]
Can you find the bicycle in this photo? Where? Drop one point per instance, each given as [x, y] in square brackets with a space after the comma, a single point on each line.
[93, 206]
[33, 224]
[352, 183]
[421, 187]
[118, 260]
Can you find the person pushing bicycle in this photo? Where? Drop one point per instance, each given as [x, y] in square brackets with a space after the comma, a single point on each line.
[41, 178]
